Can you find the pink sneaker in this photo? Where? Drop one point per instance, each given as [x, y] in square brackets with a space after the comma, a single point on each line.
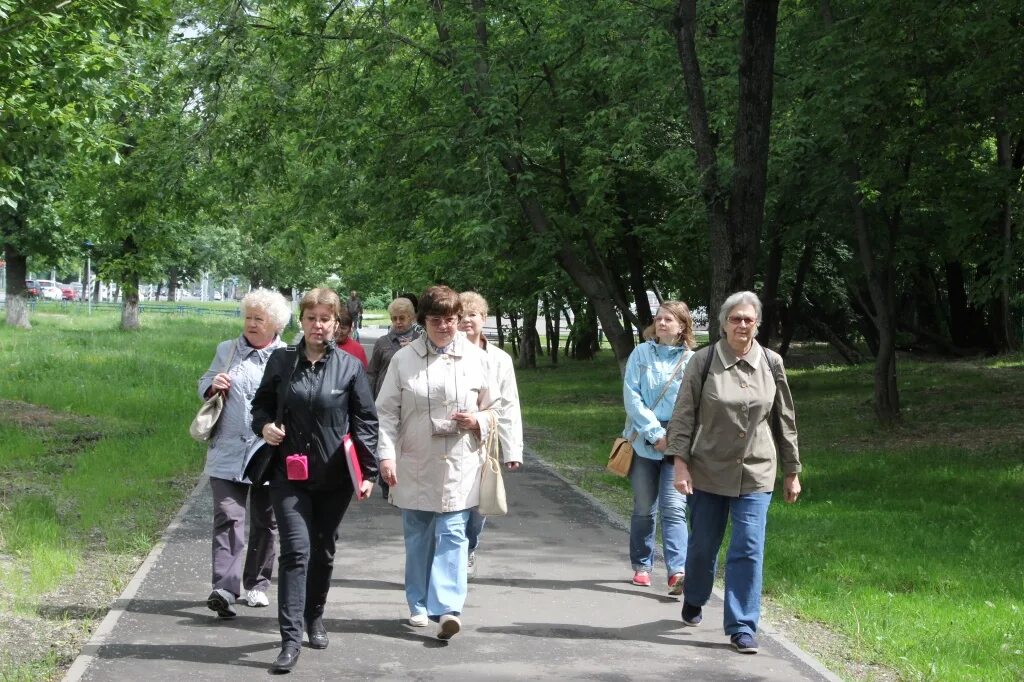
[675, 584]
[642, 578]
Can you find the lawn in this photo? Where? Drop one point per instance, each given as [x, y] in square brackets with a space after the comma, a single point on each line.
[96, 459]
[903, 540]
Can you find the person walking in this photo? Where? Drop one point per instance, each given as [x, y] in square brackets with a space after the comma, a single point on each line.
[324, 396]
[354, 306]
[510, 420]
[436, 405]
[654, 373]
[733, 422]
[241, 569]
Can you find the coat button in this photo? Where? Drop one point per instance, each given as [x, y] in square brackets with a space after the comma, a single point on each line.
[743, 434]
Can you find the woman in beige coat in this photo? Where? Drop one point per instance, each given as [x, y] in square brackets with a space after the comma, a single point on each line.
[434, 409]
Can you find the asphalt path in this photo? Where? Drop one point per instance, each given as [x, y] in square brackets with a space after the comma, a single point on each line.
[551, 601]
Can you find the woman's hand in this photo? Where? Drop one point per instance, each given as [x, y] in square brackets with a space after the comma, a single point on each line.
[682, 481]
[661, 445]
[272, 433]
[466, 421]
[364, 490]
[791, 488]
[513, 466]
[221, 382]
[388, 473]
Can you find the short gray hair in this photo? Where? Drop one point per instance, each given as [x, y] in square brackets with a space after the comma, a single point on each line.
[739, 298]
[272, 303]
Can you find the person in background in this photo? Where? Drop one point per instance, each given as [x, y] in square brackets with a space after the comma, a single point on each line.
[345, 341]
[436, 407]
[324, 395]
[727, 435]
[401, 334]
[510, 420]
[654, 373]
[354, 306]
[241, 570]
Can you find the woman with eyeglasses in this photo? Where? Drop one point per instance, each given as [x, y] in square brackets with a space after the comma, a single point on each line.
[733, 421]
[435, 409]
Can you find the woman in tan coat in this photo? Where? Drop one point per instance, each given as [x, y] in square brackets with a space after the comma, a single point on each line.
[434, 409]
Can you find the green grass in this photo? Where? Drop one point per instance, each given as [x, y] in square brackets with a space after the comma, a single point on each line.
[100, 457]
[904, 541]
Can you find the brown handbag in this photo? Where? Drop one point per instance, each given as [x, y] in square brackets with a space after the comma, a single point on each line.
[621, 456]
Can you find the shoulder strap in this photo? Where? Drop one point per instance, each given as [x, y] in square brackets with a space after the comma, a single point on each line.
[283, 393]
[675, 372]
[703, 379]
[771, 366]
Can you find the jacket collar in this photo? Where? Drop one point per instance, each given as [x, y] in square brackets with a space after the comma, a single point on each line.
[729, 357]
[459, 345]
[243, 349]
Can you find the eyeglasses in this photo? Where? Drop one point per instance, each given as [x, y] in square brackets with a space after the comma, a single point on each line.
[740, 320]
[438, 321]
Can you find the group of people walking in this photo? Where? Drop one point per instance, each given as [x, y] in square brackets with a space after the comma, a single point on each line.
[419, 413]
[708, 429]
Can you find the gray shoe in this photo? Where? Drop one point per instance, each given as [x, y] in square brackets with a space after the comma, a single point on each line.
[220, 601]
[471, 565]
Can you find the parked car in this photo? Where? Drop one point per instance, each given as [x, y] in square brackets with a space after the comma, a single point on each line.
[31, 288]
[49, 290]
[68, 292]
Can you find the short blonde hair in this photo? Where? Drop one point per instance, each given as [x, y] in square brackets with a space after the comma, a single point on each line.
[680, 311]
[321, 296]
[270, 302]
[473, 302]
[401, 306]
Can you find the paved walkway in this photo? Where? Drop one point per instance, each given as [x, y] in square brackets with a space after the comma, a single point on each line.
[551, 601]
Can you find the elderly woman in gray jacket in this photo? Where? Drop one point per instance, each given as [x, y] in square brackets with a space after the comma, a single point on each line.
[236, 371]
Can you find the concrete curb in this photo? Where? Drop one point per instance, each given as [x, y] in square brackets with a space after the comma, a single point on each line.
[88, 653]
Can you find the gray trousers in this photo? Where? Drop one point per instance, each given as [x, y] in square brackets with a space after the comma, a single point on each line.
[229, 546]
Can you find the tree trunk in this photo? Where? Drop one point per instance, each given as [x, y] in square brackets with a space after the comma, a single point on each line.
[130, 311]
[172, 283]
[735, 223]
[159, 288]
[770, 299]
[530, 338]
[17, 314]
[513, 320]
[1005, 339]
[792, 312]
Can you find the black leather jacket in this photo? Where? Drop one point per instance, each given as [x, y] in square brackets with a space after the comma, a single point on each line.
[321, 404]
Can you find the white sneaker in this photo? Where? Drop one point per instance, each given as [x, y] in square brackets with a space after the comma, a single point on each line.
[450, 626]
[471, 565]
[419, 620]
[257, 598]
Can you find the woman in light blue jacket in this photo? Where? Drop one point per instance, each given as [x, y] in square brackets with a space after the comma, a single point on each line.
[239, 573]
[654, 373]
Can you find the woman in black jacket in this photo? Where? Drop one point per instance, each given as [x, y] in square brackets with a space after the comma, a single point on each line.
[325, 395]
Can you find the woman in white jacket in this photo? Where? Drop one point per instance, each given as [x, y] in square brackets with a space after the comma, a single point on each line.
[433, 408]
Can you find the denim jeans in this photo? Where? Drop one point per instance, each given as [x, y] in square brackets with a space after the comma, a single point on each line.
[744, 560]
[653, 493]
[474, 527]
[436, 551]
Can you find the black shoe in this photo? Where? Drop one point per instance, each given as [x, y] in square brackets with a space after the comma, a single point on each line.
[317, 634]
[287, 659]
[692, 615]
[220, 601]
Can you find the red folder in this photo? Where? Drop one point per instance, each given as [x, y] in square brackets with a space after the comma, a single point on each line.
[355, 472]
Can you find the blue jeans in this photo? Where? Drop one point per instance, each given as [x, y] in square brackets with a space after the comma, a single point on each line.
[474, 528]
[744, 560]
[652, 493]
[436, 551]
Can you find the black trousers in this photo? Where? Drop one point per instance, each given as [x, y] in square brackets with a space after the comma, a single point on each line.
[307, 523]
